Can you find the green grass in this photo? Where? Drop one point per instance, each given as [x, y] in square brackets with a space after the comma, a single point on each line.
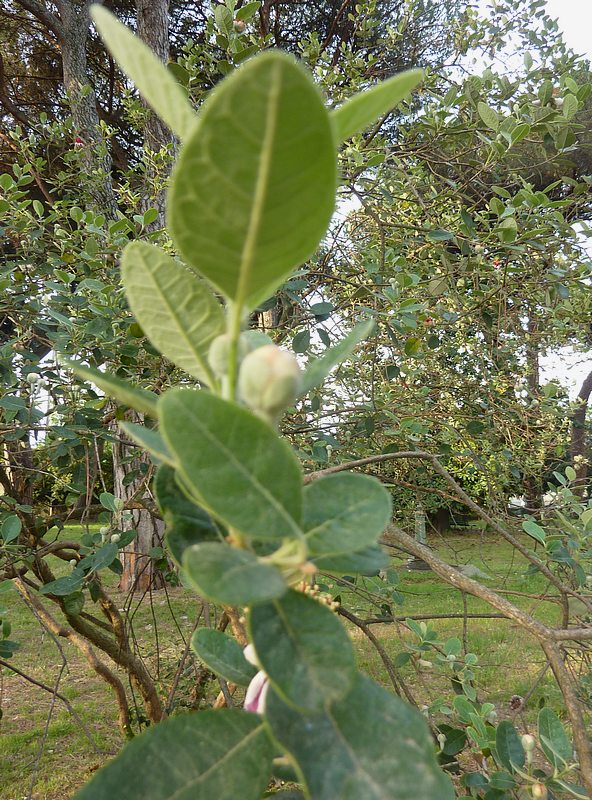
[63, 758]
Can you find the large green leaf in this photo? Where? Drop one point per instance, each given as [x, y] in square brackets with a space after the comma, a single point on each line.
[254, 187]
[222, 754]
[133, 396]
[318, 369]
[153, 80]
[508, 745]
[344, 512]
[186, 523]
[368, 745]
[304, 650]
[554, 742]
[234, 463]
[364, 108]
[177, 311]
[223, 655]
[233, 577]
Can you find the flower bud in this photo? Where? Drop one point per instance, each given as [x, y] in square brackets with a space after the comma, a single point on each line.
[104, 530]
[33, 378]
[528, 742]
[239, 25]
[539, 791]
[115, 538]
[491, 717]
[73, 562]
[424, 665]
[219, 349]
[269, 380]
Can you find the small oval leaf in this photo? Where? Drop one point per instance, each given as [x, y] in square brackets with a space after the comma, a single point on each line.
[223, 655]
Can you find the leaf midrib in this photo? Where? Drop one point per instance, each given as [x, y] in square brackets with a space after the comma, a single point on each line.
[261, 187]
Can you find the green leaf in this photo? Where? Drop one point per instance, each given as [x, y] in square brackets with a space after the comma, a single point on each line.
[508, 230]
[368, 561]
[440, 235]
[304, 650]
[456, 739]
[64, 586]
[570, 473]
[177, 311]
[412, 346]
[343, 513]
[318, 369]
[489, 117]
[251, 200]
[236, 466]
[186, 523]
[109, 501]
[222, 754]
[508, 745]
[149, 439]
[223, 655]
[133, 396]
[74, 603]
[554, 742]
[154, 82]
[519, 132]
[229, 576]
[570, 106]
[365, 108]
[102, 558]
[301, 342]
[341, 756]
[530, 527]
[247, 11]
[11, 528]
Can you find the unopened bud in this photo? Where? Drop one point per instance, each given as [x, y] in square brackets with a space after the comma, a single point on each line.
[441, 740]
[528, 742]
[73, 562]
[239, 25]
[33, 378]
[539, 791]
[104, 530]
[115, 538]
[219, 350]
[269, 380]
[491, 717]
[424, 665]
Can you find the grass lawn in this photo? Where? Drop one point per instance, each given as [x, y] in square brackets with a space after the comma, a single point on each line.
[44, 747]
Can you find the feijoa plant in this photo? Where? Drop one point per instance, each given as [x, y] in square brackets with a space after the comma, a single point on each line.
[250, 198]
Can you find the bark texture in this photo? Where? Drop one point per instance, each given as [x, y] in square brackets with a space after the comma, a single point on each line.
[578, 445]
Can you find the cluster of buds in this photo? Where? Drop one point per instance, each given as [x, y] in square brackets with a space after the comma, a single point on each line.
[314, 591]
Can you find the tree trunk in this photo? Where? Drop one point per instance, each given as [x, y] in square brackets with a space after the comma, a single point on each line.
[578, 450]
[153, 30]
[532, 482]
[96, 165]
[138, 567]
